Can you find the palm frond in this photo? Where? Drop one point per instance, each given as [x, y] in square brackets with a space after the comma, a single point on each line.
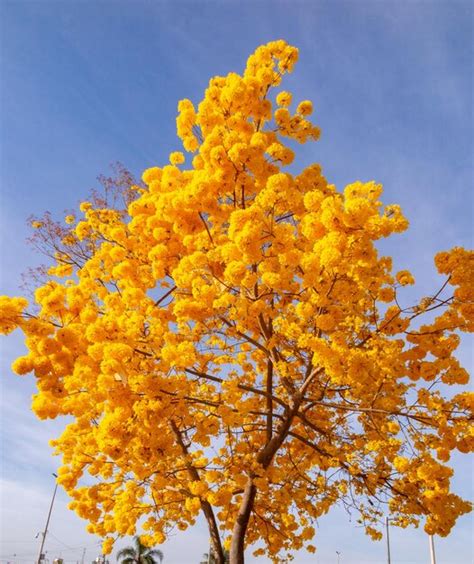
[152, 553]
[140, 554]
[140, 547]
[128, 552]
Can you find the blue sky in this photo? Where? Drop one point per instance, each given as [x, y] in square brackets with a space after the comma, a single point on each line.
[84, 84]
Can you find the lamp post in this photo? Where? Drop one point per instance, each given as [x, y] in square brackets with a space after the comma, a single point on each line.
[40, 557]
[432, 550]
[388, 540]
[338, 557]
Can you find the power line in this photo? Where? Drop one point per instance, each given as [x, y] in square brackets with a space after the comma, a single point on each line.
[51, 548]
[16, 541]
[63, 543]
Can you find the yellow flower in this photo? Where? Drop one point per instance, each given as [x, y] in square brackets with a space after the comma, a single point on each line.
[176, 158]
[22, 365]
[107, 545]
[11, 310]
[305, 108]
[405, 278]
[284, 99]
[386, 294]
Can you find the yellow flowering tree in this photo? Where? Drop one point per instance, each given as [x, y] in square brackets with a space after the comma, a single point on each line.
[229, 342]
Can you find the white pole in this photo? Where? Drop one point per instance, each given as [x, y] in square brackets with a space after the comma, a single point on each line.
[388, 540]
[40, 557]
[432, 550]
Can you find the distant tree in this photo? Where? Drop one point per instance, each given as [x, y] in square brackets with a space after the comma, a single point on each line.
[209, 558]
[139, 554]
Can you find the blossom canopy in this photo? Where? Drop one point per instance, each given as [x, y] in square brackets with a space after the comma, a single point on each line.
[229, 341]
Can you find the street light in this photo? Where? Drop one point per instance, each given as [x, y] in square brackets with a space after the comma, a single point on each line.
[338, 557]
[40, 557]
[432, 550]
[388, 540]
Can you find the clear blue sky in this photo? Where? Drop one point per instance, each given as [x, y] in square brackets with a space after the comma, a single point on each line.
[84, 84]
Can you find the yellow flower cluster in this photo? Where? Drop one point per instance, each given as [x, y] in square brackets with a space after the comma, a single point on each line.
[11, 310]
[239, 306]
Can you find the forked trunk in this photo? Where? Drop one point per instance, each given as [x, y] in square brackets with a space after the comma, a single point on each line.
[264, 458]
[236, 555]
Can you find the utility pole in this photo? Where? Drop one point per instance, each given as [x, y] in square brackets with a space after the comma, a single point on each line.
[388, 540]
[432, 550]
[83, 556]
[41, 555]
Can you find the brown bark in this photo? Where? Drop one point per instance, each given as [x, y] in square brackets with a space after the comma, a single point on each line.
[269, 390]
[264, 457]
[236, 555]
[216, 544]
[206, 507]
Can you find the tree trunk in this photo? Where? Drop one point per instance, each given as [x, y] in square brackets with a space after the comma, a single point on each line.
[238, 534]
[217, 551]
[264, 458]
[206, 507]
